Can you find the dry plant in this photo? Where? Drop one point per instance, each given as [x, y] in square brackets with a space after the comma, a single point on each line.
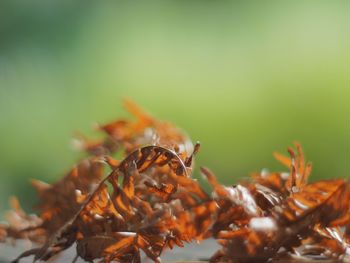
[147, 202]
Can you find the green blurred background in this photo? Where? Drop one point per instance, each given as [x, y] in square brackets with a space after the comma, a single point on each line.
[244, 78]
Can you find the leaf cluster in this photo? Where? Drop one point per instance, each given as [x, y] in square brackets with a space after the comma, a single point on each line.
[147, 201]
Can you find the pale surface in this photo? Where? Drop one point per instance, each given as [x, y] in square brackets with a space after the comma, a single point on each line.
[191, 253]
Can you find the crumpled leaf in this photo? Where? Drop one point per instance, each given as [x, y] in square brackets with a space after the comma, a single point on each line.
[147, 201]
[297, 218]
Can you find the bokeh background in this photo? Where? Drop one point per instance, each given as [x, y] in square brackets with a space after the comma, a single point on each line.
[244, 78]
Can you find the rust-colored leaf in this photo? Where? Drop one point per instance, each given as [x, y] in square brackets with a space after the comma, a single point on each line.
[147, 201]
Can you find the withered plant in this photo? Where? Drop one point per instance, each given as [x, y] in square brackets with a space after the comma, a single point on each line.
[147, 202]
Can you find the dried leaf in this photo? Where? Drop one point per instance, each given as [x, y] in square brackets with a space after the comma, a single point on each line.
[149, 202]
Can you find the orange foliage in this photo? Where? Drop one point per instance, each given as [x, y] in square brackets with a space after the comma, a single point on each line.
[149, 202]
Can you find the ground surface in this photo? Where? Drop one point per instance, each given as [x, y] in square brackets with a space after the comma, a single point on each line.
[193, 253]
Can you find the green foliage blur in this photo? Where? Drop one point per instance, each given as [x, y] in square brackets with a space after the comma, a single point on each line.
[244, 78]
